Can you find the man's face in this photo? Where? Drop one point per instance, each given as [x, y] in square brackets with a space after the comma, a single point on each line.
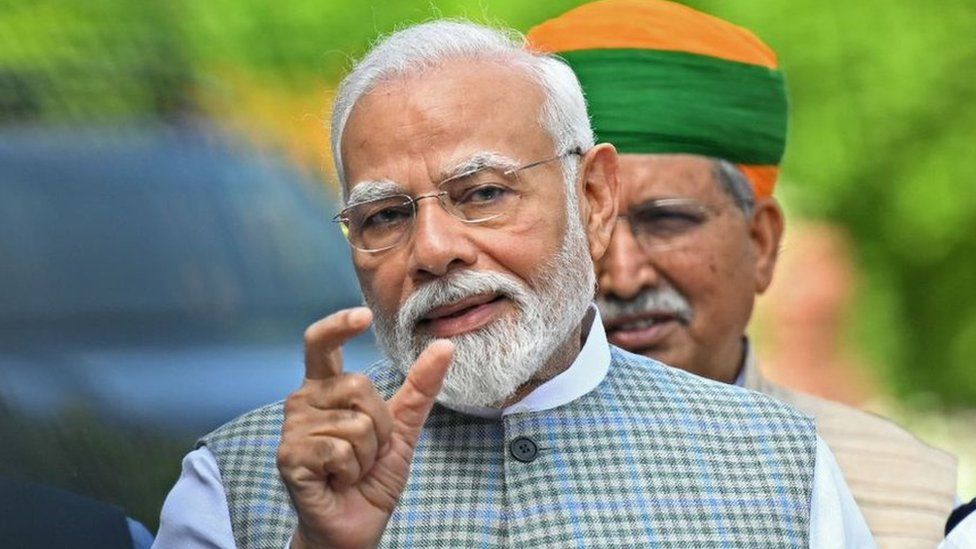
[687, 304]
[470, 278]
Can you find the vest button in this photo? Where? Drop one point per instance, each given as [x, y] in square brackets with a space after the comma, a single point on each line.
[523, 449]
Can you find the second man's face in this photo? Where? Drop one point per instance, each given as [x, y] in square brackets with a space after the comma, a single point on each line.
[684, 300]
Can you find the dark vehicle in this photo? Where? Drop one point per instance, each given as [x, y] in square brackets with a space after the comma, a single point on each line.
[160, 276]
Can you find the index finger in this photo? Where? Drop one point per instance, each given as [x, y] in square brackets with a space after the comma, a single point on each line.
[324, 338]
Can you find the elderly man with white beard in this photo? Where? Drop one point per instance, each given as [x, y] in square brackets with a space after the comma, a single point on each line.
[476, 203]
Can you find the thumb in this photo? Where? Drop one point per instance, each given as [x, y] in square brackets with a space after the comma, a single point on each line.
[411, 405]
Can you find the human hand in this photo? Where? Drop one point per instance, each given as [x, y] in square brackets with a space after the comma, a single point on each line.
[345, 453]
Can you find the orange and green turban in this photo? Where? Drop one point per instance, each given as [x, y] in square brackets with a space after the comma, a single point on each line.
[660, 77]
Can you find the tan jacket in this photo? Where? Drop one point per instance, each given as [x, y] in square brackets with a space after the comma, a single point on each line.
[905, 488]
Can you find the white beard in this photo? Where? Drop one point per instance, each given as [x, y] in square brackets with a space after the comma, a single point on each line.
[491, 363]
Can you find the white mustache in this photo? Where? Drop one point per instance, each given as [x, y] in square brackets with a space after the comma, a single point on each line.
[662, 298]
[451, 289]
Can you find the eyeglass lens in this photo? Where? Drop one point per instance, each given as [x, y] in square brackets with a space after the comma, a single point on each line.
[474, 198]
[667, 223]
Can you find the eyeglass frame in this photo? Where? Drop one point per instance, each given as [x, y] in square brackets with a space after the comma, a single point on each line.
[342, 218]
[711, 212]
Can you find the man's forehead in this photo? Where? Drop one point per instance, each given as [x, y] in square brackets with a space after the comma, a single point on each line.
[453, 82]
[450, 100]
[426, 127]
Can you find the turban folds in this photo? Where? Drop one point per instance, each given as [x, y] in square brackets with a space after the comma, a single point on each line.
[660, 77]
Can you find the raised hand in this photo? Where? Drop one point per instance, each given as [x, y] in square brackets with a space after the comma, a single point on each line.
[345, 453]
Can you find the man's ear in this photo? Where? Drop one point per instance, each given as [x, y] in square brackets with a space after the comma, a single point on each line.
[766, 233]
[598, 194]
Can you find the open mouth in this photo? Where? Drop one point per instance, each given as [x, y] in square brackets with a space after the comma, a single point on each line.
[642, 332]
[463, 316]
[642, 321]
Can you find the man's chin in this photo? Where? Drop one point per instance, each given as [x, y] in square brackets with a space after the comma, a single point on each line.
[487, 376]
[461, 402]
[454, 395]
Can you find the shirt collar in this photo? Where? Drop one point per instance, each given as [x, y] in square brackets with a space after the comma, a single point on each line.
[582, 376]
[748, 363]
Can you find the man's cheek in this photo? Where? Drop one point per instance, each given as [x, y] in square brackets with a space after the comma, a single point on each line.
[377, 297]
[365, 276]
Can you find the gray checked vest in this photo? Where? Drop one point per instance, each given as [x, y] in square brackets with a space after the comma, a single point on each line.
[652, 457]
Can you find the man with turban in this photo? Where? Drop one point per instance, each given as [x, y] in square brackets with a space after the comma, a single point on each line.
[698, 109]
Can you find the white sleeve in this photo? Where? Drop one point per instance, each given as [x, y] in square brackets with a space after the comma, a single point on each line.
[195, 513]
[835, 520]
[963, 536]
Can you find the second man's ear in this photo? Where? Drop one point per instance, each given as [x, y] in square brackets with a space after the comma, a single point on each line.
[766, 233]
[598, 196]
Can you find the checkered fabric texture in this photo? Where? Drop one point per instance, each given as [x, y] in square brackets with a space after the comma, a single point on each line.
[652, 457]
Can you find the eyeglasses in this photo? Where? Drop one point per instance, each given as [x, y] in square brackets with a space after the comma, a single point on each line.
[482, 196]
[668, 223]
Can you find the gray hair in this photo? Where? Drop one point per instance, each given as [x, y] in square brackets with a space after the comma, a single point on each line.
[427, 45]
[735, 183]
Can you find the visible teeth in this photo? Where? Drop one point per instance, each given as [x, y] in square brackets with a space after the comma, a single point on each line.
[639, 324]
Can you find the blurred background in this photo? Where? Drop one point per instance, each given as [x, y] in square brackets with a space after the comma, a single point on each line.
[166, 195]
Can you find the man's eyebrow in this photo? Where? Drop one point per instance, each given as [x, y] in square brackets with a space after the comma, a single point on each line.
[477, 162]
[364, 191]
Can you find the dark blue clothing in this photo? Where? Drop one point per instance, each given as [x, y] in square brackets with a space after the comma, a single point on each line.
[34, 515]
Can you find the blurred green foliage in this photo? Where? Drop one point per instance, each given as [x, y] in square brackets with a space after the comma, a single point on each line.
[83, 61]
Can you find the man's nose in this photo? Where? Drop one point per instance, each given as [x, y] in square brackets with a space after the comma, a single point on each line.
[440, 241]
[626, 268]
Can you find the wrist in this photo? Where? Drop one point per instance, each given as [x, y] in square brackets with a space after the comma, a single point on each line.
[300, 540]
